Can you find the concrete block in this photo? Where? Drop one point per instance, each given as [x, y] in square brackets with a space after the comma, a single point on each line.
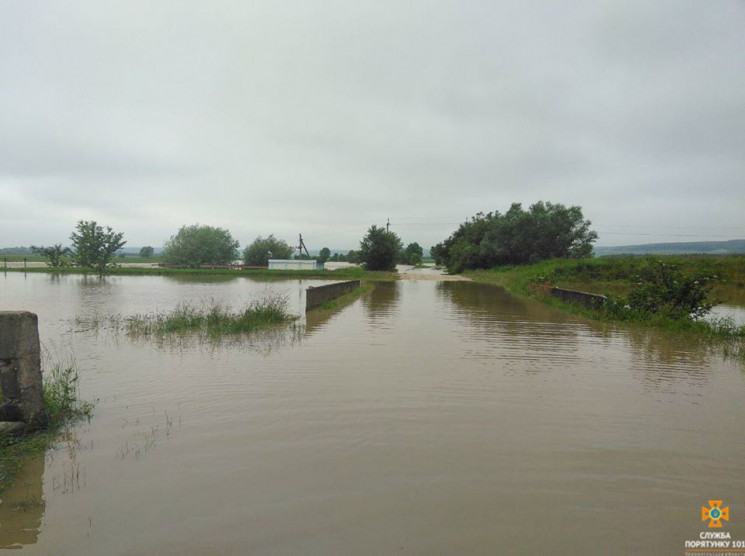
[19, 334]
[20, 368]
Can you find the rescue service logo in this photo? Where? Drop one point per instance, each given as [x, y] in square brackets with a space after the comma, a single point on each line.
[715, 513]
[715, 542]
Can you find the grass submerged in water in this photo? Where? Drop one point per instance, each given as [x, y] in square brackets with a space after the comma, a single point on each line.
[213, 319]
[64, 407]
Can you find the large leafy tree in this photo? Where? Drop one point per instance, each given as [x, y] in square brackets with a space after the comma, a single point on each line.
[94, 246]
[544, 231]
[379, 249]
[197, 245]
[264, 248]
[462, 249]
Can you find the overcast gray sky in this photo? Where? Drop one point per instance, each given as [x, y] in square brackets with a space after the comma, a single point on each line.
[324, 117]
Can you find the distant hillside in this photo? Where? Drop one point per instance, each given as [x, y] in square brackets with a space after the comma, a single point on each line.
[694, 247]
[15, 251]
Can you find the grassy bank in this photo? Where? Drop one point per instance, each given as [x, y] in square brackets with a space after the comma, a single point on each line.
[615, 276]
[355, 273]
[63, 405]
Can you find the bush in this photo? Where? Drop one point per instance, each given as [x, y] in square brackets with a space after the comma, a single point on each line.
[262, 249]
[662, 289]
[197, 245]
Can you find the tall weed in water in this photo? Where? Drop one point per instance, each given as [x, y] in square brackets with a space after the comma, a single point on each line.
[61, 394]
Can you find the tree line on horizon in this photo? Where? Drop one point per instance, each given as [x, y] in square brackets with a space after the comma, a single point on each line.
[94, 246]
[544, 231]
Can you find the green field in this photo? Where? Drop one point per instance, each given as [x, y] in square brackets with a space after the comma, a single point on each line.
[352, 273]
[40, 259]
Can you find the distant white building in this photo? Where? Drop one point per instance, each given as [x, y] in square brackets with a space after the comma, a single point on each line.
[292, 264]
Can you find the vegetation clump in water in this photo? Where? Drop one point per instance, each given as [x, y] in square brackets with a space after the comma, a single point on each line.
[213, 319]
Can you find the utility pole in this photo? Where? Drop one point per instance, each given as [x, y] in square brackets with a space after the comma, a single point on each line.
[301, 246]
[388, 226]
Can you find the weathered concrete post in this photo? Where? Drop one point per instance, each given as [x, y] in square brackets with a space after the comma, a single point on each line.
[20, 369]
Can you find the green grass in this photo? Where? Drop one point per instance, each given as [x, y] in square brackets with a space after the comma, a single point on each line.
[20, 258]
[60, 383]
[213, 319]
[33, 258]
[155, 259]
[612, 276]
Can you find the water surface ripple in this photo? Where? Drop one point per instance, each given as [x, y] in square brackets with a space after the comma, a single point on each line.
[426, 418]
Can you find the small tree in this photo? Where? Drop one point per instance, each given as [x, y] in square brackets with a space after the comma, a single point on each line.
[379, 249]
[54, 255]
[146, 252]
[197, 245]
[413, 254]
[262, 249]
[324, 255]
[93, 246]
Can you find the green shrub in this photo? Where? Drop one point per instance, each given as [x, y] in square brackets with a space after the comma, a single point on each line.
[662, 289]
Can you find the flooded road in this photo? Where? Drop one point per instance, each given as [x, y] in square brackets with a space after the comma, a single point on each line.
[426, 418]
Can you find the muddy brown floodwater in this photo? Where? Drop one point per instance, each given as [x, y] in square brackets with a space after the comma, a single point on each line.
[427, 418]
